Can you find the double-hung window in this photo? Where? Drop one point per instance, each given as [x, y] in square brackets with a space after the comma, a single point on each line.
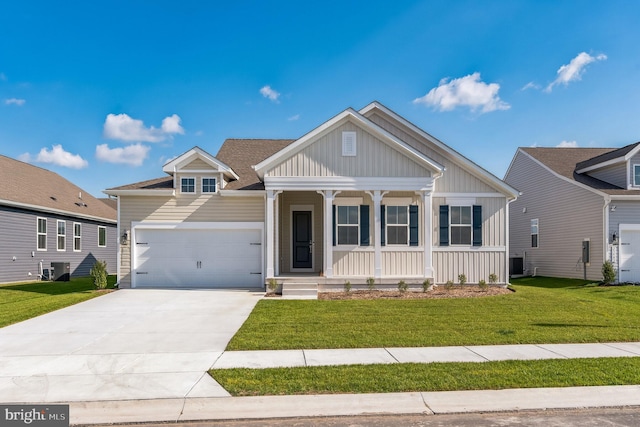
[636, 175]
[460, 225]
[534, 232]
[42, 234]
[61, 227]
[102, 236]
[208, 185]
[187, 185]
[77, 237]
[347, 225]
[397, 225]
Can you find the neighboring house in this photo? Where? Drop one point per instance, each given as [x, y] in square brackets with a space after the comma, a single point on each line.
[578, 207]
[365, 194]
[44, 218]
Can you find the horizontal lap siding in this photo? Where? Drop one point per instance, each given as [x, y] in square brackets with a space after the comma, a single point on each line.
[616, 174]
[476, 265]
[18, 237]
[567, 214]
[324, 158]
[198, 164]
[627, 212]
[214, 208]
[353, 263]
[402, 263]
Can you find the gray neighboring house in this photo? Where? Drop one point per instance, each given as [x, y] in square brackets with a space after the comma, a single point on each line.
[44, 218]
[579, 207]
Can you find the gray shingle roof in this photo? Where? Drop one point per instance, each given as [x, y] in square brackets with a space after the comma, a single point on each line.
[26, 184]
[613, 154]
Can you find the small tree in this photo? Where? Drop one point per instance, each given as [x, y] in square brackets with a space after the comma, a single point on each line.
[347, 286]
[493, 278]
[483, 285]
[449, 285]
[608, 273]
[462, 278]
[402, 286]
[371, 283]
[272, 284]
[99, 274]
[426, 285]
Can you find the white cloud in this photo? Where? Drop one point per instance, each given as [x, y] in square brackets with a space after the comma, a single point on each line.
[15, 101]
[57, 156]
[468, 91]
[294, 118]
[267, 92]
[132, 155]
[567, 144]
[530, 85]
[573, 70]
[125, 128]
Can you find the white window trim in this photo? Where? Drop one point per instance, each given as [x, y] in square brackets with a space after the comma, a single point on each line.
[338, 225]
[387, 225]
[202, 184]
[194, 185]
[105, 236]
[470, 226]
[38, 234]
[349, 149]
[537, 220]
[77, 237]
[633, 175]
[58, 235]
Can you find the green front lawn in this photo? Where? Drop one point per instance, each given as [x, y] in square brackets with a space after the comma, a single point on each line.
[429, 376]
[23, 301]
[541, 310]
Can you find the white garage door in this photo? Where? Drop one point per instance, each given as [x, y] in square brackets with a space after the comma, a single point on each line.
[197, 258]
[629, 255]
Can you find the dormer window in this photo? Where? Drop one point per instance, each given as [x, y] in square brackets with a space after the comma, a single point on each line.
[348, 144]
[636, 175]
[209, 185]
[187, 185]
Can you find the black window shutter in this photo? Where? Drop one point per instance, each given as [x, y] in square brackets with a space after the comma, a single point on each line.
[334, 225]
[413, 225]
[444, 225]
[477, 225]
[383, 220]
[364, 225]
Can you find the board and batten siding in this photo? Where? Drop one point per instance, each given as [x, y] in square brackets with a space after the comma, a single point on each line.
[616, 174]
[373, 158]
[455, 178]
[183, 208]
[18, 238]
[567, 214]
[355, 263]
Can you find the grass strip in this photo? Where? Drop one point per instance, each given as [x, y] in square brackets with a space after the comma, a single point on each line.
[23, 301]
[542, 310]
[413, 377]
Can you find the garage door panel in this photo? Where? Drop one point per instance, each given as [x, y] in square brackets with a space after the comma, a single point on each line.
[629, 256]
[203, 258]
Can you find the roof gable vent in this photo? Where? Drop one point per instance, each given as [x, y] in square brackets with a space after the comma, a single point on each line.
[348, 143]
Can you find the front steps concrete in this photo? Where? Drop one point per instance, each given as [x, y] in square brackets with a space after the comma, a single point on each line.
[299, 290]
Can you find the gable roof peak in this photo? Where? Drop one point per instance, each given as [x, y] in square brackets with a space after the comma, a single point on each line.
[196, 152]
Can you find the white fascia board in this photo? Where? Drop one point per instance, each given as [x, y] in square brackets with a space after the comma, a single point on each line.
[187, 157]
[242, 193]
[564, 178]
[298, 183]
[141, 192]
[457, 157]
[55, 211]
[630, 197]
[464, 195]
[196, 225]
[365, 123]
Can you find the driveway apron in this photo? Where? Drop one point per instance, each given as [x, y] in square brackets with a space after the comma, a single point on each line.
[129, 344]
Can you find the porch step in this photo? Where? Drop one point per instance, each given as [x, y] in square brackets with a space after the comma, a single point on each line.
[293, 290]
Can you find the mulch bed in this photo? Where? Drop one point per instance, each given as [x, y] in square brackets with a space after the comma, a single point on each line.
[439, 292]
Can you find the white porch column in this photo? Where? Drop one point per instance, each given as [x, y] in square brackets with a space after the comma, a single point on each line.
[377, 234]
[328, 232]
[271, 241]
[427, 207]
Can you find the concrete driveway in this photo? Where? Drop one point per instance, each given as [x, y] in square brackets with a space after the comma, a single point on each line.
[129, 344]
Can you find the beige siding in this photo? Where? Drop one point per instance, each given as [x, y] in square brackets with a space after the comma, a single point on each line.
[213, 208]
[198, 164]
[616, 175]
[324, 158]
[567, 214]
[494, 220]
[454, 179]
[476, 265]
[286, 200]
[402, 263]
[357, 263]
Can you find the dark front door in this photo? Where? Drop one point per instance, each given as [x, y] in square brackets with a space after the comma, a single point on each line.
[302, 239]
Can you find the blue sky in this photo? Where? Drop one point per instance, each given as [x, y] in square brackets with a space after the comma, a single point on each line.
[105, 92]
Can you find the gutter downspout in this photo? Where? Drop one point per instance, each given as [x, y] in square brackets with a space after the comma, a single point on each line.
[507, 231]
[605, 230]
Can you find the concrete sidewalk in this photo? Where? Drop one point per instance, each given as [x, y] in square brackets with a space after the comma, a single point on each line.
[427, 403]
[367, 356]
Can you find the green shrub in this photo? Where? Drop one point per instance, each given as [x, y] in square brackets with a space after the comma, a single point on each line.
[99, 274]
[462, 278]
[272, 284]
[608, 273]
[371, 283]
[426, 285]
[493, 278]
[402, 286]
[347, 286]
[449, 285]
[483, 285]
